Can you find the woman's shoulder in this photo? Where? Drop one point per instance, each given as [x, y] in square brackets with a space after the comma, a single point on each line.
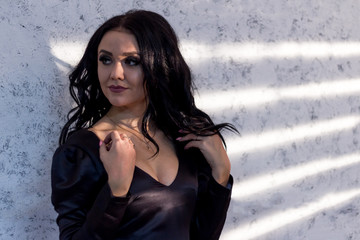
[82, 137]
[76, 167]
[81, 140]
[81, 149]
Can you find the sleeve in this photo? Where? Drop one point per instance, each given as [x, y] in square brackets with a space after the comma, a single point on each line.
[81, 196]
[211, 207]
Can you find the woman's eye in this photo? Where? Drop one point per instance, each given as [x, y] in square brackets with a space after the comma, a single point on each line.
[132, 61]
[105, 60]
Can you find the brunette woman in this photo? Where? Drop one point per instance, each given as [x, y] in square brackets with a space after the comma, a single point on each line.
[137, 159]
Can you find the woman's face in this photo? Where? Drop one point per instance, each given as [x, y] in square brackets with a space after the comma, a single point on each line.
[119, 70]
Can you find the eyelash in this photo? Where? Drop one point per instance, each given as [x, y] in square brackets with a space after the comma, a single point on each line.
[131, 61]
[103, 59]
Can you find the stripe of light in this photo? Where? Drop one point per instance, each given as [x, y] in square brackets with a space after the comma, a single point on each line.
[270, 181]
[267, 224]
[198, 52]
[67, 54]
[255, 97]
[248, 143]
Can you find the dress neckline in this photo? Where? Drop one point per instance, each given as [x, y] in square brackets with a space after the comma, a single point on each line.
[158, 182]
[146, 173]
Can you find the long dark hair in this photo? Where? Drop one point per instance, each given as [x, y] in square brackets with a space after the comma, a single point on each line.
[167, 81]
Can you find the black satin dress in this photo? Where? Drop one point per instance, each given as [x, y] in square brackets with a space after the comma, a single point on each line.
[194, 206]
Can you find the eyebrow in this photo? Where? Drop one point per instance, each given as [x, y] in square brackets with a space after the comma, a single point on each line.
[126, 54]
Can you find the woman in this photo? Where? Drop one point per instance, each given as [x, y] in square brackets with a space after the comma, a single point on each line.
[137, 159]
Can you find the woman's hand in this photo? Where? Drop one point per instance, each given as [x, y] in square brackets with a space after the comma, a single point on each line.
[118, 156]
[214, 152]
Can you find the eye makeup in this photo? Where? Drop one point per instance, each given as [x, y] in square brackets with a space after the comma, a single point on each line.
[131, 58]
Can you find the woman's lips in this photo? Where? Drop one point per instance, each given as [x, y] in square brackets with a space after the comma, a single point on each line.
[117, 89]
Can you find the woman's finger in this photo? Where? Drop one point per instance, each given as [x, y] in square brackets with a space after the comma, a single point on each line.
[192, 144]
[110, 139]
[189, 137]
[124, 137]
[102, 148]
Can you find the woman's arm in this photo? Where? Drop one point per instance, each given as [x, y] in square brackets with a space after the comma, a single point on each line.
[215, 184]
[118, 155]
[81, 195]
[214, 152]
[212, 204]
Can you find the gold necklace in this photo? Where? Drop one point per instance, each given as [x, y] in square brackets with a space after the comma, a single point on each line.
[147, 144]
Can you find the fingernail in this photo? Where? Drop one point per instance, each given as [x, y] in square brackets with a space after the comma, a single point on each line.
[181, 131]
[100, 143]
[179, 138]
[122, 136]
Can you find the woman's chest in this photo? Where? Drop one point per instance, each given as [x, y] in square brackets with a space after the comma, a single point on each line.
[150, 198]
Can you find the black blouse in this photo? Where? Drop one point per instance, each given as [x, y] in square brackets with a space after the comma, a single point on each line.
[194, 206]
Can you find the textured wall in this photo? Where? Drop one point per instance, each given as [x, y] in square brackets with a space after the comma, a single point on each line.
[286, 73]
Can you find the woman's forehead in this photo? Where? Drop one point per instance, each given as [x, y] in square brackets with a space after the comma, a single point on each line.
[117, 42]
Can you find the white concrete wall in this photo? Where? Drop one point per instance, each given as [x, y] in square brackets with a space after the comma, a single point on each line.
[285, 72]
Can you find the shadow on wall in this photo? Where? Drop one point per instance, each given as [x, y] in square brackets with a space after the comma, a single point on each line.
[321, 186]
[30, 91]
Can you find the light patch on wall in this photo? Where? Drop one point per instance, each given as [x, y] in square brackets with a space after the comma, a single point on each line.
[255, 97]
[267, 224]
[249, 143]
[253, 51]
[268, 182]
[67, 54]
[71, 52]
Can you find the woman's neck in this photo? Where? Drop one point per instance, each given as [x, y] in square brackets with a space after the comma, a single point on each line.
[129, 118]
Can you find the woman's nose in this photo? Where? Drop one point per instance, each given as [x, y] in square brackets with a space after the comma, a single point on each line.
[117, 72]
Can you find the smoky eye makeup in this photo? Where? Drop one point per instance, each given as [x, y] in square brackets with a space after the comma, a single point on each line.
[132, 60]
[104, 59]
[129, 58]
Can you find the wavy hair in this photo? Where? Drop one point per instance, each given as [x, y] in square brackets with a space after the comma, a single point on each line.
[167, 81]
